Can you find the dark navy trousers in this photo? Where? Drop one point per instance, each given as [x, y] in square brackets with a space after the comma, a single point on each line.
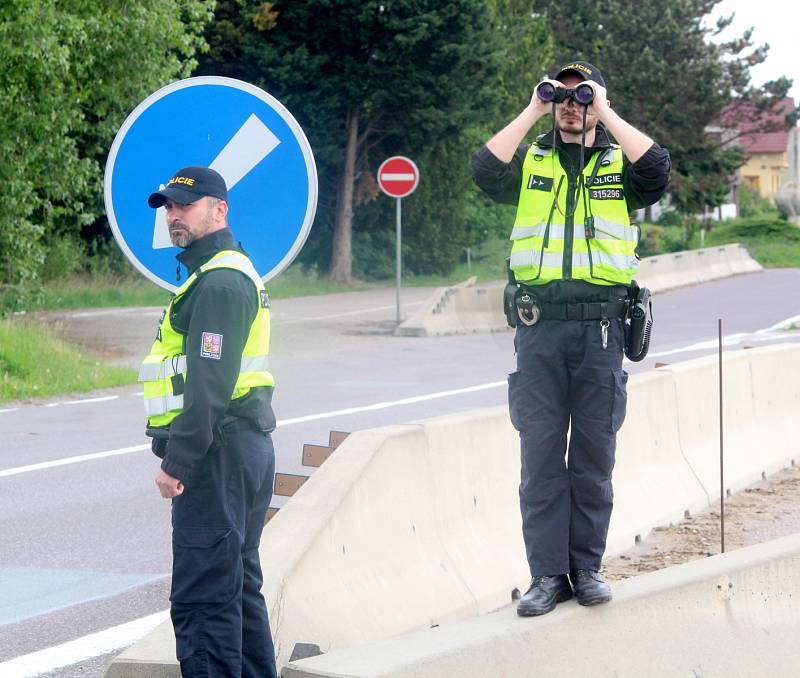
[566, 381]
[218, 612]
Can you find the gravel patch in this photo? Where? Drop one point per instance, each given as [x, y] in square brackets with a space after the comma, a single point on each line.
[764, 511]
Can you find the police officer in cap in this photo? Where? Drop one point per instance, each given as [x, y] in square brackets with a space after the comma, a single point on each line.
[573, 257]
[208, 393]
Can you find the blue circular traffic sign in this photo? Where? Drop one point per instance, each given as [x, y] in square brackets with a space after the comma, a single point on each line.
[239, 130]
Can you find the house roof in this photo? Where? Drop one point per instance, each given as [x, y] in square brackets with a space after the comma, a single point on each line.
[748, 121]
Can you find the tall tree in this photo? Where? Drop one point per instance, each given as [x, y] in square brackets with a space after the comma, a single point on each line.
[668, 77]
[366, 78]
[70, 71]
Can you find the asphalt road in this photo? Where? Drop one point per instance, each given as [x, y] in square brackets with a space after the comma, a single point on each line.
[85, 545]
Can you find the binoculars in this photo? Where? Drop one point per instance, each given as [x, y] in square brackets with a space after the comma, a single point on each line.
[582, 94]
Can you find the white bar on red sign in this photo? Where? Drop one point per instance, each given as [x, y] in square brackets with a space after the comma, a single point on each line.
[386, 176]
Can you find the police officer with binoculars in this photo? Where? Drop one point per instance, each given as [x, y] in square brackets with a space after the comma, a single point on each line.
[576, 309]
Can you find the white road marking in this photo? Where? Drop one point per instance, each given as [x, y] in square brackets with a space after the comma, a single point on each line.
[74, 651]
[782, 325]
[730, 340]
[82, 402]
[281, 422]
[134, 310]
[10, 409]
[278, 317]
[344, 314]
[71, 460]
[391, 403]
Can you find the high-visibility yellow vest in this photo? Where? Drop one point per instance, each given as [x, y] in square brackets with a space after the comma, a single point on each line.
[550, 245]
[163, 371]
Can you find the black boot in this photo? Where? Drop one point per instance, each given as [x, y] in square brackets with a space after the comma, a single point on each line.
[544, 593]
[590, 587]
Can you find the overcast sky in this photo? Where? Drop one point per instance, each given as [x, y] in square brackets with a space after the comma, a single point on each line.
[775, 22]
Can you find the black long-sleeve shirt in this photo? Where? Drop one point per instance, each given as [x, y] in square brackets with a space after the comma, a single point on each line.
[220, 303]
[643, 181]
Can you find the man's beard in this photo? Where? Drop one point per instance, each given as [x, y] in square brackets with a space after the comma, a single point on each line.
[186, 238]
[182, 240]
[576, 126]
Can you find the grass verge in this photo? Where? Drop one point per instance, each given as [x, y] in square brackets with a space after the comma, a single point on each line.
[774, 243]
[488, 262]
[35, 362]
[84, 291]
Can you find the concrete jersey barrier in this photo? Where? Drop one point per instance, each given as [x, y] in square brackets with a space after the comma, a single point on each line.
[736, 614]
[414, 526]
[465, 309]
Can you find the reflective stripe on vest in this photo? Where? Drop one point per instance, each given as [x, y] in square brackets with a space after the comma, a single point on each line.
[539, 251]
[162, 404]
[169, 368]
[163, 371]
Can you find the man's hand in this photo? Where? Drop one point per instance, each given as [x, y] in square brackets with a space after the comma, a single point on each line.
[168, 486]
[541, 108]
[634, 143]
[505, 142]
[599, 106]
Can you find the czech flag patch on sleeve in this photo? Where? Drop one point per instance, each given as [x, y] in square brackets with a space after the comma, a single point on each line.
[211, 346]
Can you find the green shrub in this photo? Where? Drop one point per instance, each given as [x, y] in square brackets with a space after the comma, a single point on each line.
[753, 205]
[659, 239]
[671, 218]
[773, 242]
[64, 255]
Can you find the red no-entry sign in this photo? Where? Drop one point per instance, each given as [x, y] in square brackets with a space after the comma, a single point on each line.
[398, 176]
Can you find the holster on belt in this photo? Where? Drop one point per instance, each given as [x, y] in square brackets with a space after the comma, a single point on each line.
[510, 296]
[639, 323]
[160, 436]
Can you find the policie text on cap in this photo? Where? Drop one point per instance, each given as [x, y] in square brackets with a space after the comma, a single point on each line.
[189, 185]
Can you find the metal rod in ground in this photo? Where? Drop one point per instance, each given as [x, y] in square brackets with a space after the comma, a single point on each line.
[399, 259]
[721, 454]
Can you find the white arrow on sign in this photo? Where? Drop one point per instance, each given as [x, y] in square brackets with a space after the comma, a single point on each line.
[253, 142]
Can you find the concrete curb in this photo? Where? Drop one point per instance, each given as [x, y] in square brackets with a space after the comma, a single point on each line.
[465, 309]
[736, 614]
[407, 527]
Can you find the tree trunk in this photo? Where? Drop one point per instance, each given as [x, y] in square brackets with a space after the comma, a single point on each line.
[342, 253]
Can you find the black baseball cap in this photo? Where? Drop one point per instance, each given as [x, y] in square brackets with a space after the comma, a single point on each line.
[190, 184]
[584, 70]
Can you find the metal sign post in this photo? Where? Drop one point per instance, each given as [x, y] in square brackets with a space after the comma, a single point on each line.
[398, 177]
[240, 131]
[399, 262]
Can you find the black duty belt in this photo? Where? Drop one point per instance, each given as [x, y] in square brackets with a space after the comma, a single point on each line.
[584, 311]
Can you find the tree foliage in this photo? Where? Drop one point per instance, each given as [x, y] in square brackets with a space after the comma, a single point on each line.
[70, 71]
[668, 78]
[372, 78]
